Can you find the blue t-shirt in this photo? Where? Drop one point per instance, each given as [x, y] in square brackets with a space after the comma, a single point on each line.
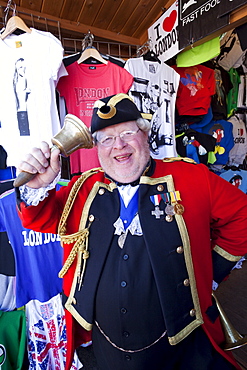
[221, 130]
[38, 256]
[237, 178]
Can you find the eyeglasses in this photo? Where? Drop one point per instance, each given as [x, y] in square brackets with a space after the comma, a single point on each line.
[125, 136]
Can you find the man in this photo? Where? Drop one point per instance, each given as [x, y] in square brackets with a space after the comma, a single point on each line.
[143, 241]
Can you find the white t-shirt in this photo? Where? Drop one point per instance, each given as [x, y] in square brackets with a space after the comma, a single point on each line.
[30, 66]
[238, 153]
[154, 91]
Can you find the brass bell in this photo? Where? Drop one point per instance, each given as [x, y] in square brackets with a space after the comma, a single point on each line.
[74, 135]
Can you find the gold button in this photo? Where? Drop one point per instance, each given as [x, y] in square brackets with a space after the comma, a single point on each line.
[160, 187]
[192, 312]
[180, 250]
[101, 191]
[91, 218]
[186, 282]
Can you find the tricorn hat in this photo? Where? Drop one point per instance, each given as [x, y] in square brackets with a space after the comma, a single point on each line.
[112, 110]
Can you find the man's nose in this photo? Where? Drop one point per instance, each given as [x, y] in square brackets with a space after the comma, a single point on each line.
[119, 143]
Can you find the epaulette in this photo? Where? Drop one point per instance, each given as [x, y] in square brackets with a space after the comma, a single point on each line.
[92, 171]
[178, 159]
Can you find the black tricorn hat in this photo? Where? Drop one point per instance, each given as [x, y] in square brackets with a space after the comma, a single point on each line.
[112, 110]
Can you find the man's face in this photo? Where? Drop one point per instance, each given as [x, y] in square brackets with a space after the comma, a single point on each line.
[124, 161]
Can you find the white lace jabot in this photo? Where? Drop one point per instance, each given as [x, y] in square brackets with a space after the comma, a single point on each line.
[32, 197]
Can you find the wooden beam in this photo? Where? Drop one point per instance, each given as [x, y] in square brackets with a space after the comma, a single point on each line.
[49, 20]
[239, 16]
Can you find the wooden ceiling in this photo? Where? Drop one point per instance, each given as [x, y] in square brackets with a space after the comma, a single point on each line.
[122, 21]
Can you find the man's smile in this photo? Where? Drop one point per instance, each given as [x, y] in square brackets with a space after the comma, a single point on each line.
[123, 157]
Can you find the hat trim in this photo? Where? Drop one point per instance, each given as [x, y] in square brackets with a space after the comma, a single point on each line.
[98, 104]
[108, 115]
[117, 98]
[147, 116]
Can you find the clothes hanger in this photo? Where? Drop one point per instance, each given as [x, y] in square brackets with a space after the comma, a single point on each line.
[91, 52]
[145, 51]
[13, 24]
[151, 56]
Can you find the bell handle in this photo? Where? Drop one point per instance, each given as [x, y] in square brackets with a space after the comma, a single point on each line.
[23, 178]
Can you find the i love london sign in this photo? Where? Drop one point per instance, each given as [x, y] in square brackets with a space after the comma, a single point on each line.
[163, 34]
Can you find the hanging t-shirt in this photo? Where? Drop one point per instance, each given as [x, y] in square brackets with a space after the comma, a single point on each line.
[3, 158]
[154, 92]
[85, 84]
[38, 256]
[232, 97]
[238, 152]
[197, 85]
[221, 130]
[69, 59]
[7, 258]
[233, 48]
[29, 69]
[237, 178]
[195, 145]
[223, 86]
[7, 293]
[242, 91]
[47, 339]
[12, 340]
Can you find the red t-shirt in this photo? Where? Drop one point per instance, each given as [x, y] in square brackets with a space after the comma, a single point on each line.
[196, 86]
[85, 84]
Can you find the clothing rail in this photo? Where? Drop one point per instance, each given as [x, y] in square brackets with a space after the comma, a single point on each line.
[115, 49]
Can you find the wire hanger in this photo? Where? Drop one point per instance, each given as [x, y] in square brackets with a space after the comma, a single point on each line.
[89, 51]
[14, 22]
[147, 53]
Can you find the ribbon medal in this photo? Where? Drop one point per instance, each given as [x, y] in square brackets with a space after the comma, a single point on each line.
[172, 206]
[155, 199]
[169, 210]
[175, 197]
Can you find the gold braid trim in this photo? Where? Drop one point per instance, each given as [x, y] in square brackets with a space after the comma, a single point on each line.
[81, 245]
[81, 237]
[71, 199]
[177, 159]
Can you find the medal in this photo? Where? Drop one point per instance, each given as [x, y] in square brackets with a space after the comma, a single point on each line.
[169, 210]
[179, 209]
[156, 200]
[157, 212]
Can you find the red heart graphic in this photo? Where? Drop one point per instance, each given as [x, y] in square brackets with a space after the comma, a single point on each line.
[170, 21]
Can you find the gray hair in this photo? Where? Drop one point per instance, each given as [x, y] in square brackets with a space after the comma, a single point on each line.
[143, 124]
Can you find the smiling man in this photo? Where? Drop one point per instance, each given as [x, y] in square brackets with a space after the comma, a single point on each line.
[143, 241]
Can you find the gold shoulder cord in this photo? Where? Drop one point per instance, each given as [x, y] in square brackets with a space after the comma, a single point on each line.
[80, 237]
[178, 159]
